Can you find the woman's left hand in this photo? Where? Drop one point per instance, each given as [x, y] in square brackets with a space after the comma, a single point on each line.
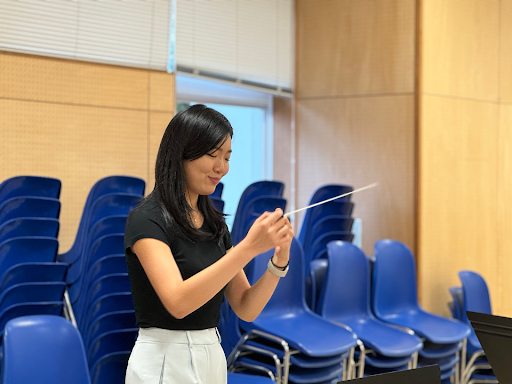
[282, 251]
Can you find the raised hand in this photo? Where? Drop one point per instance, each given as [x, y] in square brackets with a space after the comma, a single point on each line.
[270, 230]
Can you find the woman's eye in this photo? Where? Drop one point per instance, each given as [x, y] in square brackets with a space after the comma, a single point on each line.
[227, 159]
[211, 155]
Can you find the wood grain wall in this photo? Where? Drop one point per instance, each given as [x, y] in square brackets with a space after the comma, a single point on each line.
[465, 145]
[355, 108]
[80, 122]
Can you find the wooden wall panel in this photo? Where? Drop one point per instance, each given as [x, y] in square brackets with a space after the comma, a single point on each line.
[505, 81]
[359, 141]
[460, 48]
[282, 144]
[80, 122]
[500, 296]
[458, 189]
[162, 89]
[355, 47]
[64, 81]
[75, 144]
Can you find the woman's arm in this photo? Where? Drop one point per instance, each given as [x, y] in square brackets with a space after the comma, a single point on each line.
[182, 297]
[247, 301]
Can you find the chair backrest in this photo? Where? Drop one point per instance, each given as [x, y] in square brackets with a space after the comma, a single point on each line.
[346, 290]
[43, 349]
[315, 214]
[317, 272]
[218, 191]
[319, 247]
[111, 321]
[394, 287]
[251, 211]
[110, 368]
[30, 186]
[24, 206]
[457, 297]
[111, 264]
[26, 309]
[476, 296]
[105, 186]
[110, 342]
[289, 293]
[332, 190]
[257, 189]
[33, 272]
[27, 249]
[29, 226]
[106, 245]
[107, 226]
[117, 301]
[31, 293]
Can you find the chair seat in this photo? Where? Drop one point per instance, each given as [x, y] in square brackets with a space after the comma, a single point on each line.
[379, 361]
[434, 328]
[383, 338]
[242, 378]
[306, 331]
[439, 351]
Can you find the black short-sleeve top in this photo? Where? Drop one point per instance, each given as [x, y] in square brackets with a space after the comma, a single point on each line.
[147, 221]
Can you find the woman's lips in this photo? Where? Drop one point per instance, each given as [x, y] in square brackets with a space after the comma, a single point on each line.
[214, 180]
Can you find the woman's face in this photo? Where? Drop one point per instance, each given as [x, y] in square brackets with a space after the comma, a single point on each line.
[205, 173]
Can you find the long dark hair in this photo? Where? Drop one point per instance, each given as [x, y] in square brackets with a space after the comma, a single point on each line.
[191, 134]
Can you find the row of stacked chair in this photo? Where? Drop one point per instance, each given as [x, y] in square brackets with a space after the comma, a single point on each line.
[473, 296]
[98, 282]
[31, 282]
[288, 341]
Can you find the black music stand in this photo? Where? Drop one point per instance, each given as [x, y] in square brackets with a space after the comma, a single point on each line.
[426, 375]
[495, 335]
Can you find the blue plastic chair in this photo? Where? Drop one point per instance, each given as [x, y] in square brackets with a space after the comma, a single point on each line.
[475, 298]
[105, 186]
[43, 349]
[251, 211]
[110, 368]
[110, 342]
[33, 272]
[112, 302]
[105, 266]
[26, 309]
[218, 191]
[395, 298]
[30, 186]
[286, 316]
[218, 203]
[20, 250]
[345, 299]
[29, 207]
[29, 226]
[31, 293]
[111, 321]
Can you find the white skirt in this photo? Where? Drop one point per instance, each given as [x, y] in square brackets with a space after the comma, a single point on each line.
[161, 356]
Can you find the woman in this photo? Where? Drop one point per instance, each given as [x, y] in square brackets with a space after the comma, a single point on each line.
[181, 261]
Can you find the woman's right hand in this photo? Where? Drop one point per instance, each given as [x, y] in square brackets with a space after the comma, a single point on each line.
[265, 233]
